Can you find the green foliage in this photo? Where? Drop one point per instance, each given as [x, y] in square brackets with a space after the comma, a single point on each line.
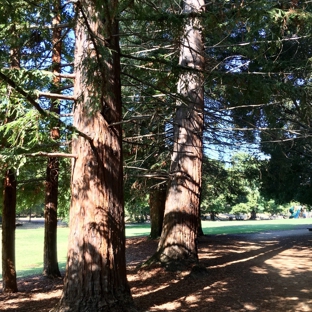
[136, 211]
[257, 90]
[244, 208]
[274, 209]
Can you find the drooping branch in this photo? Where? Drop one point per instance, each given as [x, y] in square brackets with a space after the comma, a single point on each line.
[24, 93]
[35, 104]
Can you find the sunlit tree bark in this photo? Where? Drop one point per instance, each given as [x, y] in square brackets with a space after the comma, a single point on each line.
[95, 277]
[178, 239]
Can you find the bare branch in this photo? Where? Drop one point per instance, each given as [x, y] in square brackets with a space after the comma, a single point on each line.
[44, 154]
[56, 96]
[70, 76]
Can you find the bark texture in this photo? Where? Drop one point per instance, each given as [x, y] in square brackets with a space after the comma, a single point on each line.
[50, 263]
[157, 201]
[95, 277]
[8, 233]
[178, 239]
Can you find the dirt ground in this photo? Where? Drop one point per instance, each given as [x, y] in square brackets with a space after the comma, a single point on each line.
[265, 272]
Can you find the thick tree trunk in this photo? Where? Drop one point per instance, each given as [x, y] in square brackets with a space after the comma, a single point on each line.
[95, 277]
[8, 233]
[179, 235]
[50, 264]
[157, 201]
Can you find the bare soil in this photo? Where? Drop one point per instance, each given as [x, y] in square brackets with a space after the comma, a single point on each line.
[263, 272]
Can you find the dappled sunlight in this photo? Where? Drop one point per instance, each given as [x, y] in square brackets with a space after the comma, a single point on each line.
[258, 270]
[273, 274]
[235, 273]
[239, 247]
[17, 302]
[52, 294]
[250, 307]
[148, 290]
[245, 259]
[218, 286]
[288, 262]
[170, 306]
[293, 304]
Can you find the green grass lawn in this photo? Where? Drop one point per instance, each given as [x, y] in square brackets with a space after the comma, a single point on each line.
[29, 242]
[252, 226]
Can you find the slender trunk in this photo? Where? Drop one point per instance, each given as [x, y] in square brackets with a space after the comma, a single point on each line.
[8, 233]
[95, 277]
[50, 264]
[200, 231]
[9, 207]
[178, 242]
[157, 202]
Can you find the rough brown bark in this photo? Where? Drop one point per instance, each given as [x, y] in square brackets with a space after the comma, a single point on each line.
[50, 264]
[95, 277]
[178, 239]
[8, 233]
[157, 200]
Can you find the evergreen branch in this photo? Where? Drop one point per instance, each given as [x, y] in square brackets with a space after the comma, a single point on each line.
[35, 104]
[24, 93]
[243, 44]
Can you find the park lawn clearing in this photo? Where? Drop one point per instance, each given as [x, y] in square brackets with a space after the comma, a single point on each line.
[30, 236]
[253, 226]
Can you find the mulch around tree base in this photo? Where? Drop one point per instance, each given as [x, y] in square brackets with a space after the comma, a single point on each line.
[263, 272]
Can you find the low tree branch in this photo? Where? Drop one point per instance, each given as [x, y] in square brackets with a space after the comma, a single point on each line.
[44, 154]
[70, 76]
[44, 113]
[56, 96]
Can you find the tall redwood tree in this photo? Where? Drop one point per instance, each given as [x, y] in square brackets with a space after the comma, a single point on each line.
[95, 277]
[50, 263]
[179, 234]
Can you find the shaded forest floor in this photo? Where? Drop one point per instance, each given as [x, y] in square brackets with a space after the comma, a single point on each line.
[263, 272]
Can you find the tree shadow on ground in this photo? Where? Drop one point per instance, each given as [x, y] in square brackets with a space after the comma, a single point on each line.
[36, 293]
[243, 273]
[254, 272]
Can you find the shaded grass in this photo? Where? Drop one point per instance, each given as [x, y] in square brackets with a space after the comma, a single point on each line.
[29, 242]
